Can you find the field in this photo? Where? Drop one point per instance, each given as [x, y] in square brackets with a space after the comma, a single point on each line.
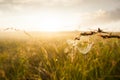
[57, 56]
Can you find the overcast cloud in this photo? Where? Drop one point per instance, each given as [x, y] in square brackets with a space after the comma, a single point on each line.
[78, 4]
[94, 12]
[101, 17]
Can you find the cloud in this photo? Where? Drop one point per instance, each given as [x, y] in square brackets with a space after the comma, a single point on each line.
[24, 5]
[101, 17]
[42, 2]
[14, 5]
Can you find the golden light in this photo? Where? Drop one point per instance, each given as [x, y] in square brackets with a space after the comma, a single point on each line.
[51, 22]
[46, 21]
[55, 21]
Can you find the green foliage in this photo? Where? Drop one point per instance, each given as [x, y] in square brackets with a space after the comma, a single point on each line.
[45, 59]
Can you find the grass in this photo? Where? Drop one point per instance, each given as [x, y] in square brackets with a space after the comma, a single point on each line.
[45, 58]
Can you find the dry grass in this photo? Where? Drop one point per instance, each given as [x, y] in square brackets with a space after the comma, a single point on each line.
[43, 57]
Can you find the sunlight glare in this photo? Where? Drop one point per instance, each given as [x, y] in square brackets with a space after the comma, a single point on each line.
[48, 21]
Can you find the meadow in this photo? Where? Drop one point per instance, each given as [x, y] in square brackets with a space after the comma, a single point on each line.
[57, 56]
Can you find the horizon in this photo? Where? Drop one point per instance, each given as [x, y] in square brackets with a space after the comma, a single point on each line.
[13, 29]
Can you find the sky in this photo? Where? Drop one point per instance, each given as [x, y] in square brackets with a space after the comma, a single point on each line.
[60, 15]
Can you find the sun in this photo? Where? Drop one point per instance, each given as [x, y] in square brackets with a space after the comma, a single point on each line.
[48, 21]
[44, 22]
[51, 23]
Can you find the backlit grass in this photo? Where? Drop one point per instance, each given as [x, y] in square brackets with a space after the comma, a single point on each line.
[46, 59]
